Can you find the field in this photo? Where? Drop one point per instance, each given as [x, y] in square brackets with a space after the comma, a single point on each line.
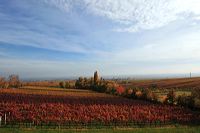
[176, 83]
[51, 109]
[74, 108]
[161, 87]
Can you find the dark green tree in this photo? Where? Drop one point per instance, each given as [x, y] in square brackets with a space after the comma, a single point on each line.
[80, 83]
[96, 77]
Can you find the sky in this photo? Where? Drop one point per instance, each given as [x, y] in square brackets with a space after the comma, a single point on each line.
[71, 38]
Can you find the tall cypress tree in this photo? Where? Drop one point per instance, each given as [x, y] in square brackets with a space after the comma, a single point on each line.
[96, 77]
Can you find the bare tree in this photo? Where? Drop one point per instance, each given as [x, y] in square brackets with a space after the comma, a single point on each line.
[2, 82]
[14, 81]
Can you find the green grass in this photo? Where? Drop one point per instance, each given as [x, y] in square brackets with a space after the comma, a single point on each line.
[135, 130]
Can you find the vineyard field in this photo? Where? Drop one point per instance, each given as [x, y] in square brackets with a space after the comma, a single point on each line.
[176, 83]
[61, 107]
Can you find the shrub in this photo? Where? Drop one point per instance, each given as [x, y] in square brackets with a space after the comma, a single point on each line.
[120, 90]
[196, 93]
[113, 91]
[153, 97]
[138, 94]
[147, 94]
[62, 84]
[99, 88]
[128, 93]
[170, 98]
[2, 82]
[186, 101]
[110, 87]
[79, 83]
[131, 93]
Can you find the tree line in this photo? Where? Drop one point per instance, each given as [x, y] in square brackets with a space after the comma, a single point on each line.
[111, 87]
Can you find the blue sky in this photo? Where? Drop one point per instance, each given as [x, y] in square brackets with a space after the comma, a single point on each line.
[64, 38]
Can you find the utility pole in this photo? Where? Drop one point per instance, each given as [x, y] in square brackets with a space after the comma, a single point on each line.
[190, 75]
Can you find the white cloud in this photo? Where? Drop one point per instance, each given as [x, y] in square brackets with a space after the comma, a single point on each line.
[197, 17]
[144, 14]
[136, 15]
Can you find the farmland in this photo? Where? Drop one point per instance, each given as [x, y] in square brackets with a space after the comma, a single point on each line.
[176, 83]
[105, 106]
[83, 107]
[161, 87]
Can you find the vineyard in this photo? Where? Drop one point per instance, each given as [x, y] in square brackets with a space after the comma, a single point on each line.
[176, 83]
[84, 107]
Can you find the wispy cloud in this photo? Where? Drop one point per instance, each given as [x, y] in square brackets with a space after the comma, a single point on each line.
[43, 26]
[137, 15]
[65, 5]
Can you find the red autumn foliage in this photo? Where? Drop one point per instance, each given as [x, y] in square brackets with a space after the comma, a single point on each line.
[59, 109]
[120, 90]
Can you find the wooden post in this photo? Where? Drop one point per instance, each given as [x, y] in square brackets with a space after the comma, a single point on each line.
[0, 121]
[5, 119]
